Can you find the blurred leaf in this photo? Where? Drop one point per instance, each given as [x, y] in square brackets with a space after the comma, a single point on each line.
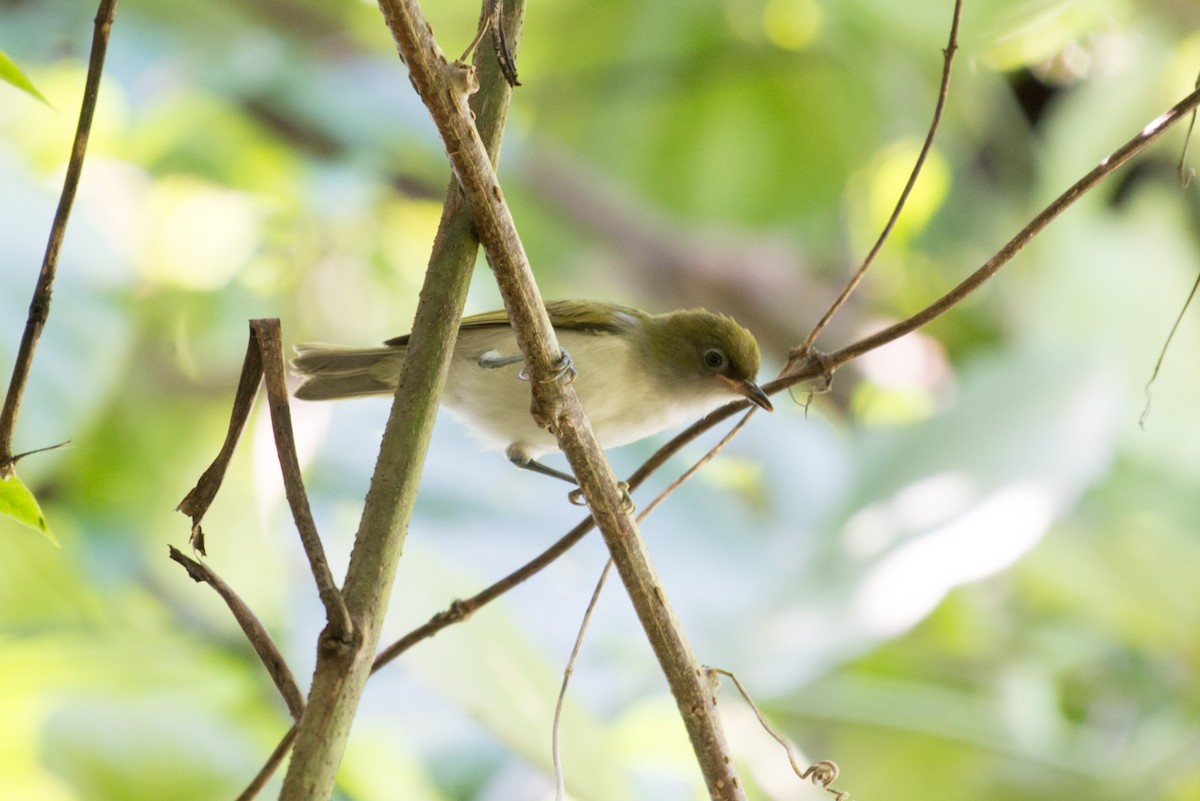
[17, 502]
[11, 73]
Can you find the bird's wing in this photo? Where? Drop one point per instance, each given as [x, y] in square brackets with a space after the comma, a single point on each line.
[573, 315]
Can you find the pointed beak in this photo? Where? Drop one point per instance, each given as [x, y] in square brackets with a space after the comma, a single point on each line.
[751, 391]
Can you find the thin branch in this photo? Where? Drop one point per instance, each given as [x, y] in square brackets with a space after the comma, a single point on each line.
[195, 504]
[269, 767]
[560, 783]
[1166, 345]
[254, 630]
[264, 355]
[16, 457]
[559, 776]
[823, 773]
[39, 308]
[1060, 204]
[269, 341]
[1186, 173]
[856, 279]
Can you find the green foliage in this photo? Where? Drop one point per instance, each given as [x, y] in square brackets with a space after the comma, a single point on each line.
[10, 73]
[17, 503]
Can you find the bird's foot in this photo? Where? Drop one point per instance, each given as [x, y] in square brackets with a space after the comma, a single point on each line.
[576, 497]
[564, 370]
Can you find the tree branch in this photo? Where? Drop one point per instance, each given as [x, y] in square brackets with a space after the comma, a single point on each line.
[1106, 167]
[39, 308]
[264, 356]
[252, 627]
[856, 279]
[812, 365]
[554, 402]
[269, 341]
[342, 668]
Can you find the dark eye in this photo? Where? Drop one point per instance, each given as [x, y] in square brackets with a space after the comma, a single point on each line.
[714, 359]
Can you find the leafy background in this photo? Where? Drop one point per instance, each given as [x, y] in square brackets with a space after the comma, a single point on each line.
[965, 572]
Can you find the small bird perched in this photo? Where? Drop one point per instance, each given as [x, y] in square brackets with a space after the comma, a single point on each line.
[637, 374]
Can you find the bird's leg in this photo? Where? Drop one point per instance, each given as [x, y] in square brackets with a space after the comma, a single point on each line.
[493, 360]
[523, 460]
[564, 370]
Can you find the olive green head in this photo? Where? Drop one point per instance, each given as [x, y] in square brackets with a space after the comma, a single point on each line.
[700, 351]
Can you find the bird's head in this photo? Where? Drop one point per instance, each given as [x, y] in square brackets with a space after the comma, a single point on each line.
[697, 352]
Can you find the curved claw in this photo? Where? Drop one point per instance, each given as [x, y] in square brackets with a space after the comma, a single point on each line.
[576, 498]
[565, 371]
[566, 368]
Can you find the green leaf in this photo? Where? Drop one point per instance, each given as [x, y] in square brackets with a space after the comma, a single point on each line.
[17, 502]
[11, 73]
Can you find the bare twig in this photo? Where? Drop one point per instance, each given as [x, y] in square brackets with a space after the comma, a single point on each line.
[856, 279]
[560, 787]
[264, 356]
[254, 630]
[978, 278]
[267, 335]
[195, 504]
[269, 767]
[491, 20]
[1186, 173]
[39, 308]
[1162, 354]
[823, 773]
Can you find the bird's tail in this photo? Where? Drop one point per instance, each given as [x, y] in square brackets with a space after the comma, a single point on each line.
[333, 371]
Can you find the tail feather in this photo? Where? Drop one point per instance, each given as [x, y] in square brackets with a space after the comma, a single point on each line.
[333, 371]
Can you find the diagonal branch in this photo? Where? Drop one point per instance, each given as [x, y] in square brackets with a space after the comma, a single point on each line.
[264, 356]
[856, 279]
[254, 630]
[554, 402]
[811, 366]
[39, 308]
[1106, 167]
[343, 668]
[800, 368]
[267, 336]
[195, 504]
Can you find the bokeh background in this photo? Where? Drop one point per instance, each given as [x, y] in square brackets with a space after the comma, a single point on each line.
[966, 572]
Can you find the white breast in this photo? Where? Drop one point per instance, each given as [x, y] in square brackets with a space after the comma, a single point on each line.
[621, 408]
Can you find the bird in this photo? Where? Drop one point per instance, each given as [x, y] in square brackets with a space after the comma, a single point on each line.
[636, 374]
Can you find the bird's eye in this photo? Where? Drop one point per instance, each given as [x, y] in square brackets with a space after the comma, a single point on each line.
[714, 359]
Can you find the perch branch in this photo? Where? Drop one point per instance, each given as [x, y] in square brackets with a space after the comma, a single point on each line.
[343, 668]
[812, 365]
[554, 402]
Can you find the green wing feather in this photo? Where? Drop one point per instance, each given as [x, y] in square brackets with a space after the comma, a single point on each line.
[575, 315]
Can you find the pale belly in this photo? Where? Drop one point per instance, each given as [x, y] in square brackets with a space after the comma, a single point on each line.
[620, 409]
